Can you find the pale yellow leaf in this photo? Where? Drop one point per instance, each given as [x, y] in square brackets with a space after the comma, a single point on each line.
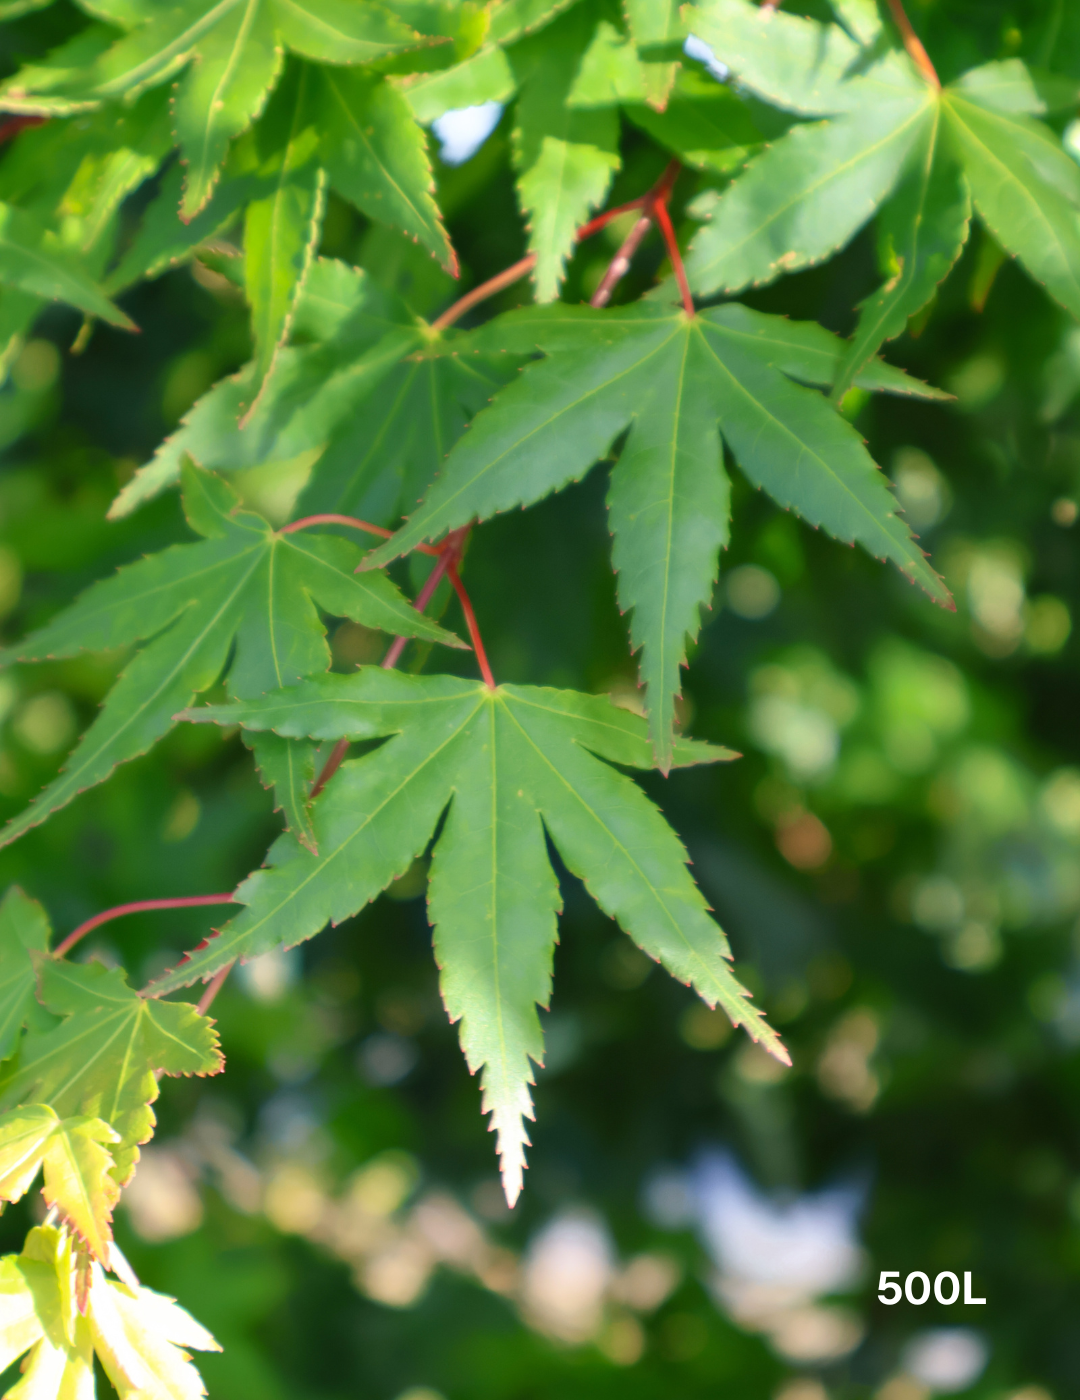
[57, 1370]
[24, 1134]
[131, 1330]
[20, 1327]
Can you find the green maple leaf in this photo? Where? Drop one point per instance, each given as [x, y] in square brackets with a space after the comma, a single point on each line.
[707, 126]
[678, 383]
[103, 1059]
[74, 176]
[243, 583]
[888, 137]
[511, 764]
[228, 55]
[371, 392]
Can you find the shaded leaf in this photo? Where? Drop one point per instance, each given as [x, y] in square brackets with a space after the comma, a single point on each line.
[565, 157]
[31, 262]
[376, 156]
[242, 583]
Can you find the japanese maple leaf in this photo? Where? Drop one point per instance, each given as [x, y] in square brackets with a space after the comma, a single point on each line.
[243, 583]
[512, 764]
[679, 384]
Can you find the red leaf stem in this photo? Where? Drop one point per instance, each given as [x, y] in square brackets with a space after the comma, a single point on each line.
[664, 220]
[138, 907]
[516, 271]
[914, 45]
[353, 522]
[213, 987]
[620, 264]
[450, 550]
[471, 623]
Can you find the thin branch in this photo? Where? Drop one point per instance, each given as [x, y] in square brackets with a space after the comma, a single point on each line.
[187, 902]
[620, 264]
[471, 623]
[450, 550]
[914, 45]
[664, 220]
[516, 271]
[213, 987]
[353, 522]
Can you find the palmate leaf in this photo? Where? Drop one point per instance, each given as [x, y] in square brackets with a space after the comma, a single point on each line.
[511, 763]
[102, 1060]
[137, 1334]
[371, 391]
[678, 383]
[242, 583]
[888, 130]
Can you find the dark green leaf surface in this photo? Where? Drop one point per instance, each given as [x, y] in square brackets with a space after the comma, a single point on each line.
[372, 393]
[922, 232]
[1026, 190]
[511, 763]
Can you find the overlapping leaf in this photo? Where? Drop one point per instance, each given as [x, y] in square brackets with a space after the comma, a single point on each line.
[371, 391]
[677, 383]
[138, 1335]
[103, 1058]
[242, 583]
[511, 763]
[229, 54]
[888, 132]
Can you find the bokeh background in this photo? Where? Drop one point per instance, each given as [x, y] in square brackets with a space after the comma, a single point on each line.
[896, 858]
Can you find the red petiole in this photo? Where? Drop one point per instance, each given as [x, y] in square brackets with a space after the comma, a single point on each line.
[138, 907]
[350, 520]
